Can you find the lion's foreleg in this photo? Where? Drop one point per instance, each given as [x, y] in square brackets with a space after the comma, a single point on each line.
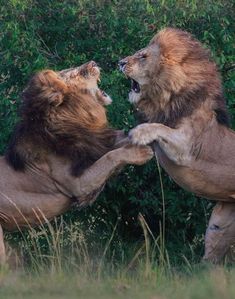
[97, 174]
[174, 142]
[220, 234]
[2, 248]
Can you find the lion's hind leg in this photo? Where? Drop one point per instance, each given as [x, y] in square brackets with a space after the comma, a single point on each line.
[220, 234]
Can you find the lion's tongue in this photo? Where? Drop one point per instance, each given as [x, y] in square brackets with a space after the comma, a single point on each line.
[135, 86]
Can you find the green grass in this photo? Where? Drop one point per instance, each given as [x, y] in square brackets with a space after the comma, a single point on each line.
[61, 260]
[199, 283]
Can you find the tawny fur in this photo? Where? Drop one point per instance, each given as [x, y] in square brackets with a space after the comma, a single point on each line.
[182, 104]
[62, 122]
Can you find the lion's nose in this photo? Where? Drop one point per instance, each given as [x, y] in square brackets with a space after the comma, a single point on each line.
[92, 63]
[122, 63]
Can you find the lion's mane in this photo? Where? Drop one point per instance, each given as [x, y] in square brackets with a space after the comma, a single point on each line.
[61, 119]
[184, 78]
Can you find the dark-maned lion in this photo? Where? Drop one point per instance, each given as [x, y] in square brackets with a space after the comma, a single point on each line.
[61, 151]
[177, 89]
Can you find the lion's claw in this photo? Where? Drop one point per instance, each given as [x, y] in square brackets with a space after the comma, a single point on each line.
[140, 135]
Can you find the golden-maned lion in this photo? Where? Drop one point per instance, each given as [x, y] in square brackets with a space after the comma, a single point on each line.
[61, 151]
[177, 89]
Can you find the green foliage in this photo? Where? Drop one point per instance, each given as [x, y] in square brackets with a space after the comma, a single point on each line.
[63, 33]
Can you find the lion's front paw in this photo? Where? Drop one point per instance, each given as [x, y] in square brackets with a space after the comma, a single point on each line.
[141, 135]
[137, 154]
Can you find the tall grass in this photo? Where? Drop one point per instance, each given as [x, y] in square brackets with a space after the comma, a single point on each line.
[56, 268]
[60, 246]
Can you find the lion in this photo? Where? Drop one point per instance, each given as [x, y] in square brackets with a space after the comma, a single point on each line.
[62, 151]
[177, 90]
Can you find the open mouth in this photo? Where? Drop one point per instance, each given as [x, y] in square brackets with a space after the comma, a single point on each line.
[104, 94]
[135, 86]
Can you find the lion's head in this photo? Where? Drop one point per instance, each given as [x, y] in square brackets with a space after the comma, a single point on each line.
[62, 113]
[172, 76]
[50, 93]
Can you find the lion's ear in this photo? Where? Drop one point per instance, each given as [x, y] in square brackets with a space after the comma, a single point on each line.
[51, 87]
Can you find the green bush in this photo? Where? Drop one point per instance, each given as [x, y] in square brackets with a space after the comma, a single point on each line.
[63, 33]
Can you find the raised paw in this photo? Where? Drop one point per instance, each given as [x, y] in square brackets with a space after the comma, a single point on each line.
[137, 154]
[141, 135]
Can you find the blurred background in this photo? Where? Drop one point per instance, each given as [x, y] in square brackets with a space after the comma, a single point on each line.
[59, 34]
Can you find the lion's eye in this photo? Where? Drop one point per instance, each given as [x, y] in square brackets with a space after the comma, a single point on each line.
[143, 55]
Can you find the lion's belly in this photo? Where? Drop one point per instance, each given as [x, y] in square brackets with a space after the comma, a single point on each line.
[25, 209]
[202, 181]
[27, 200]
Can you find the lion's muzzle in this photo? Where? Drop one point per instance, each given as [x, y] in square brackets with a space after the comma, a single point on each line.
[122, 65]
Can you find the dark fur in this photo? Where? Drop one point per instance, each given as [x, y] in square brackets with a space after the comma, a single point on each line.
[48, 127]
[184, 106]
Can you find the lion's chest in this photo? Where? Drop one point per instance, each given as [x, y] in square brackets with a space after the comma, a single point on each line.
[203, 181]
[180, 174]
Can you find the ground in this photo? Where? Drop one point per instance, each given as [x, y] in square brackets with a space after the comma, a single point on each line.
[200, 283]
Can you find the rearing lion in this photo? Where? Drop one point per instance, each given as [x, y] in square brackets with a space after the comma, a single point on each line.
[177, 89]
[61, 150]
